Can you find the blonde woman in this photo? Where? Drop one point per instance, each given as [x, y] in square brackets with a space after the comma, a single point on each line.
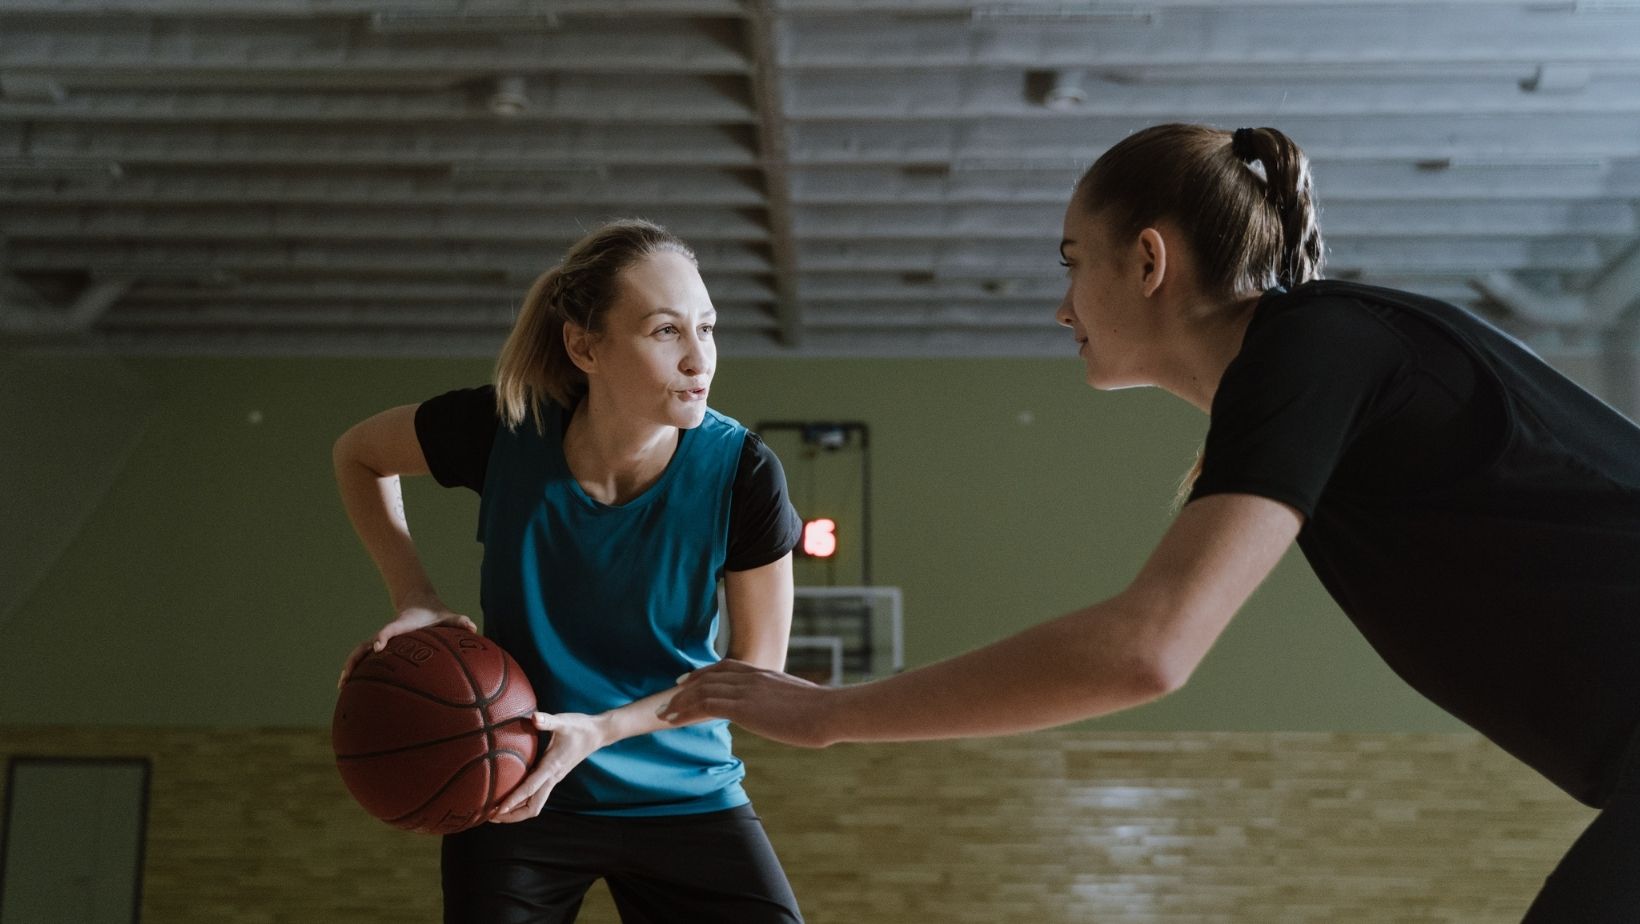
[612, 501]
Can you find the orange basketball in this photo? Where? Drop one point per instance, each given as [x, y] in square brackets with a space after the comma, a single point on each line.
[434, 730]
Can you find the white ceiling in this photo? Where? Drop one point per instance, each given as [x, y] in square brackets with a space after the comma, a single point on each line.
[874, 177]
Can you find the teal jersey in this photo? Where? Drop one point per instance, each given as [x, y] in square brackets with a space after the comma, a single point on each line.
[602, 605]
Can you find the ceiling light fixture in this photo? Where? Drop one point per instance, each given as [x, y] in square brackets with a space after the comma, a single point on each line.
[1066, 93]
[1557, 78]
[509, 97]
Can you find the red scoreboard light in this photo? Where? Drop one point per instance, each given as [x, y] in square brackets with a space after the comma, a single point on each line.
[820, 538]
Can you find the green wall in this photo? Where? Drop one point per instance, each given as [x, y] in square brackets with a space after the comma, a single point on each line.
[211, 578]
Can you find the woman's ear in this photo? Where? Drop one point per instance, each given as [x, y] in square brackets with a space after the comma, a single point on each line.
[578, 343]
[1152, 249]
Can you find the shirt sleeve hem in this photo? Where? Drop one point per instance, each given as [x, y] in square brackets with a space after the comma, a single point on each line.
[752, 563]
[1299, 501]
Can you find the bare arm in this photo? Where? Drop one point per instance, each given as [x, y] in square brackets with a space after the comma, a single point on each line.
[760, 615]
[1121, 652]
[368, 459]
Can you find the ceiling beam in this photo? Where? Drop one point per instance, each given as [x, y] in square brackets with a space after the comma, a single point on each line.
[1336, 181]
[310, 9]
[1473, 218]
[250, 222]
[1067, 144]
[1614, 297]
[919, 94]
[1532, 306]
[204, 52]
[24, 312]
[200, 260]
[765, 36]
[618, 188]
[553, 99]
[631, 190]
[515, 148]
[1252, 38]
[1058, 11]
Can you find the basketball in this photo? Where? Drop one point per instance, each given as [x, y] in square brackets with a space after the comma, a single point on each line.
[432, 731]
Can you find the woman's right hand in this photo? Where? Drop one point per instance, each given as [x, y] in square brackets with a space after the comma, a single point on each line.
[411, 618]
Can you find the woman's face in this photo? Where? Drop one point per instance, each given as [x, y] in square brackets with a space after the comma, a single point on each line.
[655, 358]
[1105, 305]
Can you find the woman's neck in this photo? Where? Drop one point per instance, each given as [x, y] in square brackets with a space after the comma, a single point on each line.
[1200, 350]
[613, 459]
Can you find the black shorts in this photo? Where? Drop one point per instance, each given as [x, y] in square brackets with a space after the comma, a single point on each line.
[717, 866]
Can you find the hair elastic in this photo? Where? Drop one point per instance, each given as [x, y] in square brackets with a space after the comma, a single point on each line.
[1241, 145]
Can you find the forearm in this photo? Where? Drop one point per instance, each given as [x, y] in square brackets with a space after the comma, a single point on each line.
[1089, 663]
[375, 506]
[638, 717]
[766, 650]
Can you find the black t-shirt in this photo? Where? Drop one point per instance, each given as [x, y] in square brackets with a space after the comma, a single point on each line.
[1475, 513]
[457, 429]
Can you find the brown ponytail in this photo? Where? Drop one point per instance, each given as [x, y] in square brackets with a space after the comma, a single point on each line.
[535, 364]
[1243, 201]
[1287, 188]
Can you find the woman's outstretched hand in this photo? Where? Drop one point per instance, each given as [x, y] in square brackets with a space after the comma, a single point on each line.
[410, 619]
[766, 703]
[574, 736]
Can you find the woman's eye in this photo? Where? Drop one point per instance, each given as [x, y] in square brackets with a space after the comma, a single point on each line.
[707, 328]
[666, 329]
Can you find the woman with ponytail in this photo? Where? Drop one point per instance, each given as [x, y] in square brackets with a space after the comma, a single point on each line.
[1473, 512]
[612, 500]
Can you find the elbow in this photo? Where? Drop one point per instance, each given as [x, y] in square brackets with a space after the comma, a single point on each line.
[346, 455]
[1160, 664]
[1164, 643]
[1162, 673]
[341, 451]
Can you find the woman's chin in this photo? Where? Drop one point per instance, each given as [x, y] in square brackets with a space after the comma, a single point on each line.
[688, 418]
[1105, 380]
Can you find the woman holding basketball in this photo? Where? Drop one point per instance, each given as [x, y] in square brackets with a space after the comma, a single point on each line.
[1475, 514]
[612, 499]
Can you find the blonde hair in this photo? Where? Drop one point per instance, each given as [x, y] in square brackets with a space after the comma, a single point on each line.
[535, 364]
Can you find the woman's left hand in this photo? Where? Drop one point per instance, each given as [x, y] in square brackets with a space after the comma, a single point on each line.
[574, 736]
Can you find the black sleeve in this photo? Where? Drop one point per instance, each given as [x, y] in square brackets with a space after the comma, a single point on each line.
[456, 430]
[763, 524]
[1307, 381]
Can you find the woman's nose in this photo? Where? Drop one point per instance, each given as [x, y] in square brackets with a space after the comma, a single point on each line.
[1063, 314]
[694, 360]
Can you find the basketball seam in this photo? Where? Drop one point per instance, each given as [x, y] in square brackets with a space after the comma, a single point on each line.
[488, 728]
[484, 710]
[393, 682]
[487, 758]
